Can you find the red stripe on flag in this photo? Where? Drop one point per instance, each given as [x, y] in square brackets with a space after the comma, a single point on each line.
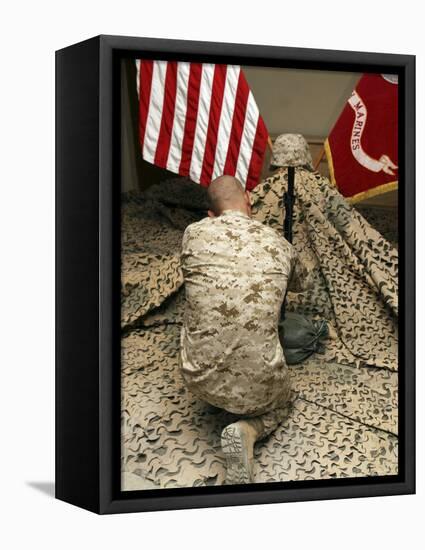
[256, 163]
[145, 85]
[167, 118]
[213, 123]
[191, 116]
[238, 120]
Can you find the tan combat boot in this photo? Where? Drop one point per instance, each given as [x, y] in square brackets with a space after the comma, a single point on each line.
[237, 442]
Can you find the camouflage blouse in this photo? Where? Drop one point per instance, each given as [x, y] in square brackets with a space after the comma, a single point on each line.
[236, 271]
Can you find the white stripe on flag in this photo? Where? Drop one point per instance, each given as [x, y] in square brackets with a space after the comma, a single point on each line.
[202, 121]
[138, 76]
[153, 124]
[247, 141]
[226, 117]
[175, 152]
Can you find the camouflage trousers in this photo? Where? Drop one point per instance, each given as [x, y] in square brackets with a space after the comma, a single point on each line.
[275, 413]
[266, 420]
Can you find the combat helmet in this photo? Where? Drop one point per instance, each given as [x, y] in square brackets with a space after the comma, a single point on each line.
[291, 150]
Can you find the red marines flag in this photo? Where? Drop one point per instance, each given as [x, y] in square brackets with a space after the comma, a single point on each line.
[200, 120]
[362, 146]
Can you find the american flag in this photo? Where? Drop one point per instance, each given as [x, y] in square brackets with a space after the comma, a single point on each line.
[200, 120]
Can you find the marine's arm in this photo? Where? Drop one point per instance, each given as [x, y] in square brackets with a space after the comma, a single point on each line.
[185, 248]
[301, 275]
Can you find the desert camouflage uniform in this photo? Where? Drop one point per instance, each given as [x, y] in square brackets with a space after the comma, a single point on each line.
[236, 272]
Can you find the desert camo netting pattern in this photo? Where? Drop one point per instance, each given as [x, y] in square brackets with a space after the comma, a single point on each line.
[342, 420]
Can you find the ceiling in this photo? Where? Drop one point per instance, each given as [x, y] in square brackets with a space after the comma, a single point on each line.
[301, 101]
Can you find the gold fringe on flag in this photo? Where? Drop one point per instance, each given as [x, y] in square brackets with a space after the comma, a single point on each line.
[374, 192]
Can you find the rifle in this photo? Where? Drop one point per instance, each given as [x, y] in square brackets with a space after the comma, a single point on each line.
[288, 201]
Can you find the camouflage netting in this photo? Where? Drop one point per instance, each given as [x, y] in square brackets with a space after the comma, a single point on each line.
[343, 418]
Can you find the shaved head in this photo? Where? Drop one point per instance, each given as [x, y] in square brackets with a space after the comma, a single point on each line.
[227, 193]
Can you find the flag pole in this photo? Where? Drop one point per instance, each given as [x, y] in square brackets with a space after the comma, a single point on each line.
[270, 143]
[319, 158]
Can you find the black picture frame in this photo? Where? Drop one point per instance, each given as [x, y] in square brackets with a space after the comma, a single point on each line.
[88, 274]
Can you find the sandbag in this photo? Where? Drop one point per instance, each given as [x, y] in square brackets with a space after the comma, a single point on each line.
[301, 337]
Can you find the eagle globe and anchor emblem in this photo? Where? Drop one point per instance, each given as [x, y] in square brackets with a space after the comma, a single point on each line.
[384, 163]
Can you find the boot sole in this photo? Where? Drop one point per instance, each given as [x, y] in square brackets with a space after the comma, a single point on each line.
[238, 465]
